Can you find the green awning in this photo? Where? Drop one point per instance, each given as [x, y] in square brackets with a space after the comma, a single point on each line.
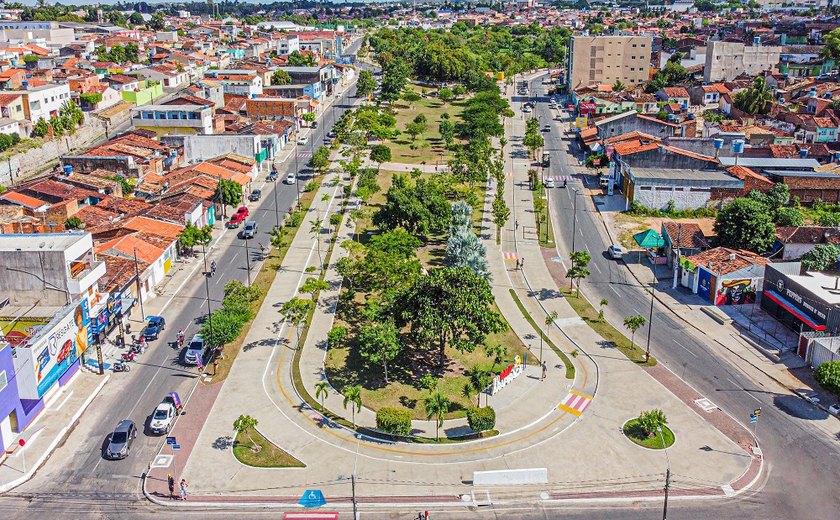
[649, 239]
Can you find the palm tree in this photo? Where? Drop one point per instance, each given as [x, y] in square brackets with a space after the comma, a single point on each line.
[755, 100]
[477, 381]
[436, 406]
[634, 323]
[353, 395]
[497, 352]
[322, 391]
[315, 230]
[618, 86]
[244, 424]
[548, 321]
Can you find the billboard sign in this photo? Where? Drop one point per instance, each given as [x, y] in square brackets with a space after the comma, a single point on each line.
[587, 107]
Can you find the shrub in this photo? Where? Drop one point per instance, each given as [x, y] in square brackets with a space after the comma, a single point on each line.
[481, 419]
[310, 186]
[295, 218]
[651, 420]
[6, 142]
[335, 219]
[394, 421]
[828, 376]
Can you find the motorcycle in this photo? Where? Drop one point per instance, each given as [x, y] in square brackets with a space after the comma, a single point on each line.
[119, 366]
[129, 356]
[138, 348]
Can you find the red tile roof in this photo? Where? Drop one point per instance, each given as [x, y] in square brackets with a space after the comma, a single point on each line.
[722, 260]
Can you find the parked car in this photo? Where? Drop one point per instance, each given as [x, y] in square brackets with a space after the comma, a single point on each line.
[547, 128]
[250, 230]
[549, 182]
[302, 140]
[273, 175]
[121, 439]
[290, 179]
[314, 124]
[195, 350]
[154, 326]
[235, 221]
[331, 134]
[616, 252]
[163, 417]
[255, 195]
[526, 109]
[243, 210]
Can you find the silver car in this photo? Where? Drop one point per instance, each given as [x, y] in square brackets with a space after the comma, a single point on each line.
[120, 442]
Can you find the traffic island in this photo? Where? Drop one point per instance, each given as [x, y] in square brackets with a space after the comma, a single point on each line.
[634, 431]
[252, 448]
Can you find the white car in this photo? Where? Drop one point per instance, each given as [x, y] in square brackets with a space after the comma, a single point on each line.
[616, 252]
[526, 109]
[290, 179]
[549, 182]
[303, 140]
[163, 418]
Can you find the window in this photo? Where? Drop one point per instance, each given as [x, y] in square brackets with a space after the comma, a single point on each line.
[643, 45]
[634, 45]
[645, 188]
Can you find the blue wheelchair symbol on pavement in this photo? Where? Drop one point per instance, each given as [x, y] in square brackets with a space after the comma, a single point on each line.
[312, 498]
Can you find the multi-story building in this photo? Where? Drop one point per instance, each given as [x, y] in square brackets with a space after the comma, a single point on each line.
[287, 44]
[607, 59]
[45, 101]
[273, 108]
[726, 61]
[241, 82]
[174, 119]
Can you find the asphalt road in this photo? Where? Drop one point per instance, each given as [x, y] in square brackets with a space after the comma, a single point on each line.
[800, 455]
[76, 478]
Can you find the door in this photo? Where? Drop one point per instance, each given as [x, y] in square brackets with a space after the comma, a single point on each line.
[6, 432]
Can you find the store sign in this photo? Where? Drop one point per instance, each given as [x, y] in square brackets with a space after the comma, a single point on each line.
[587, 107]
[507, 375]
[67, 341]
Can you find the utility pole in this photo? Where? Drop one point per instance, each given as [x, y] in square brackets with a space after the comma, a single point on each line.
[574, 219]
[139, 290]
[276, 209]
[207, 288]
[353, 490]
[667, 487]
[650, 316]
[248, 261]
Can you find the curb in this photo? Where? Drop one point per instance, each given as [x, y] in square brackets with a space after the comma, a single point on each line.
[57, 440]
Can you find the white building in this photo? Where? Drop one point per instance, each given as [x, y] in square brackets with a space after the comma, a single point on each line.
[287, 44]
[45, 101]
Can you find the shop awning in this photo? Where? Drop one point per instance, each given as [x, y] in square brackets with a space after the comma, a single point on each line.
[791, 308]
[649, 239]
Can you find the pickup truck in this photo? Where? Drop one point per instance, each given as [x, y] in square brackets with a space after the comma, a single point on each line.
[235, 221]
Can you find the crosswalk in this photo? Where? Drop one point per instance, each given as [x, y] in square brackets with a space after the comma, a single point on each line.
[575, 403]
[560, 178]
[508, 255]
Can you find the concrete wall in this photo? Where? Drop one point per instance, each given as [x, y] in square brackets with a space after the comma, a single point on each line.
[684, 198]
[204, 147]
[20, 166]
[727, 60]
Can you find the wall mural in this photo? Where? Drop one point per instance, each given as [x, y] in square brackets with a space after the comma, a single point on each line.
[735, 292]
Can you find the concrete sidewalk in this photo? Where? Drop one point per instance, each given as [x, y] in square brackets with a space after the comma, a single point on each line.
[49, 429]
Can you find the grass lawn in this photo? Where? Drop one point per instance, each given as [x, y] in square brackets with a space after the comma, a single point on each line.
[263, 280]
[546, 232]
[612, 338]
[429, 147]
[635, 433]
[268, 455]
[570, 368]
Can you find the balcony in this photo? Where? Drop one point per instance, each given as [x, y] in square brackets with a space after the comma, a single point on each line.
[83, 280]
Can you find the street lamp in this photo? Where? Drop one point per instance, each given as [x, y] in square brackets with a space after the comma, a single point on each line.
[667, 474]
[650, 316]
[574, 218]
[247, 260]
[548, 321]
[207, 288]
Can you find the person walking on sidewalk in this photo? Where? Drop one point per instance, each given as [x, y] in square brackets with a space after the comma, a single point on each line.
[170, 481]
[544, 370]
[183, 489]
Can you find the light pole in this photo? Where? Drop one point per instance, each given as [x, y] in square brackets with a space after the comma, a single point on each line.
[667, 474]
[574, 219]
[548, 321]
[297, 174]
[207, 288]
[248, 260]
[276, 209]
[139, 289]
[650, 316]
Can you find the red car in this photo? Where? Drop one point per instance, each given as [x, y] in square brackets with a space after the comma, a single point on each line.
[242, 211]
[236, 220]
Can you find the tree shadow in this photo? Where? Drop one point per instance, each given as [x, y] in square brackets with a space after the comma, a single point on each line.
[408, 403]
[265, 342]
[798, 407]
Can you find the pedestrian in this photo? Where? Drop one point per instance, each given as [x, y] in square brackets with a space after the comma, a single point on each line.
[517, 225]
[215, 366]
[183, 489]
[170, 480]
[521, 263]
[427, 516]
[544, 370]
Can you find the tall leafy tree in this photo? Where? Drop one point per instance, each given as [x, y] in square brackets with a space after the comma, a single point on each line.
[579, 270]
[437, 405]
[353, 397]
[634, 323]
[228, 193]
[745, 224]
[366, 83]
[755, 100]
[449, 307]
[379, 343]
[280, 77]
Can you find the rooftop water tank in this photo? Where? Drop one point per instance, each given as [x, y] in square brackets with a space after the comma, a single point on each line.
[68, 169]
[738, 146]
[803, 153]
[718, 144]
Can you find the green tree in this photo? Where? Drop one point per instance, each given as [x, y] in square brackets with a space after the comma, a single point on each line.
[634, 323]
[353, 397]
[298, 59]
[579, 270]
[414, 129]
[501, 214]
[366, 84]
[296, 310]
[336, 336]
[244, 424]
[481, 419]
[533, 141]
[604, 303]
[449, 306]
[477, 381]
[421, 209]
[72, 222]
[192, 235]
[157, 23]
[821, 257]
[379, 343]
[316, 230]
[281, 77]
[618, 86]
[320, 160]
[222, 328]
[309, 117]
[447, 132]
[789, 217]
[828, 376]
[437, 406]
[379, 154]
[755, 100]
[831, 48]
[497, 352]
[228, 193]
[745, 224]
[136, 18]
[313, 285]
[446, 95]
[650, 421]
[322, 390]
[42, 128]
[458, 91]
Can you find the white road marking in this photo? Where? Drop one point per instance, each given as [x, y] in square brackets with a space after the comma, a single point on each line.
[677, 343]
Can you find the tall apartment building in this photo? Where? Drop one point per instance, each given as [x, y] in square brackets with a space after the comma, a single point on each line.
[607, 59]
[726, 61]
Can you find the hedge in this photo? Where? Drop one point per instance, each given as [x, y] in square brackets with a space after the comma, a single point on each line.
[394, 421]
[828, 376]
[481, 419]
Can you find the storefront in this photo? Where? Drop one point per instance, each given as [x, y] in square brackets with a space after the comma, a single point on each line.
[804, 303]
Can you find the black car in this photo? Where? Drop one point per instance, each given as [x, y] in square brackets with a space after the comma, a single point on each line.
[255, 195]
[154, 326]
[120, 442]
[331, 134]
[273, 175]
